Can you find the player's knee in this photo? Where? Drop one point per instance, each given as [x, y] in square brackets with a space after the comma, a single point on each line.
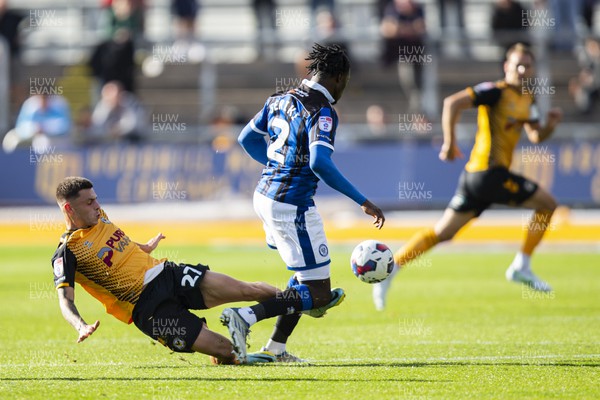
[445, 235]
[551, 205]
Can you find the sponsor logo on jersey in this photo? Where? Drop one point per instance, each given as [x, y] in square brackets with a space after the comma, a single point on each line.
[118, 241]
[325, 124]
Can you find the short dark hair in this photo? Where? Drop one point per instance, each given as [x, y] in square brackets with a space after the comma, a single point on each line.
[69, 188]
[330, 60]
[520, 48]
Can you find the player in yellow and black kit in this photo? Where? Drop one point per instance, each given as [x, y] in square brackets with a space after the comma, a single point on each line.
[504, 109]
[155, 294]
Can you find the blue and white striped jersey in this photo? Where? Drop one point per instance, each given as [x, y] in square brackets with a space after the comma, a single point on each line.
[293, 122]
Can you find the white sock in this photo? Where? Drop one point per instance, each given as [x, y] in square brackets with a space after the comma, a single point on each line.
[275, 347]
[521, 261]
[248, 315]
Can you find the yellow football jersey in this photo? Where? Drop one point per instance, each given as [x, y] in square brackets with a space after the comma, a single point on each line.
[502, 111]
[106, 263]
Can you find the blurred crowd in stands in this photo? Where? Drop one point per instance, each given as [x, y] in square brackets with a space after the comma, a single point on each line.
[117, 114]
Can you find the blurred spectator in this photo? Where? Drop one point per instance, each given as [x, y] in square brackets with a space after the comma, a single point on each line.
[113, 60]
[225, 127]
[266, 24]
[185, 12]
[327, 31]
[187, 46]
[585, 88]
[459, 13]
[317, 6]
[403, 32]
[9, 28]
[42, 119]
[507, 23]
[566, 14]
[125, 14]
[117, 116]
[589, 7]
[376, 123]
[381, 5]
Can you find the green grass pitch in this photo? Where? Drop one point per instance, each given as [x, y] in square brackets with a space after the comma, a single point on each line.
[454, 328]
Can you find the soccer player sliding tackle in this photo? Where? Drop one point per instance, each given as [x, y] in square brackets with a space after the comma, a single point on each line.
[155, 294]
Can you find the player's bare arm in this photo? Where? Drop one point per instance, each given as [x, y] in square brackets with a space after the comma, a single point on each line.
[152, 243]
[66, 299]
[374, 211]
[453, 107]
[537, 133]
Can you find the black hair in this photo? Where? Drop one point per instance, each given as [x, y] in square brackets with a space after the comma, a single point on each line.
[69, 188]
[330, 60]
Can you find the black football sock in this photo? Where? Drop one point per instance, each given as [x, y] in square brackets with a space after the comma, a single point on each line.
[284, 303]
[284, 327]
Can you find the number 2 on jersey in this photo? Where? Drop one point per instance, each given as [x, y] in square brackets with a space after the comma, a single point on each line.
[272, 150]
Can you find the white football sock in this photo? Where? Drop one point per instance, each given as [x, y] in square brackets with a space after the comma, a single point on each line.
[248, 315]
[521, 261]
[275, 347]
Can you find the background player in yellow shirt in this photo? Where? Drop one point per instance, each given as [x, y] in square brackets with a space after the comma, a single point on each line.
[135, 287]
[504, 109]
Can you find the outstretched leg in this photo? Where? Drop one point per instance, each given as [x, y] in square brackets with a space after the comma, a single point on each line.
[219, 289]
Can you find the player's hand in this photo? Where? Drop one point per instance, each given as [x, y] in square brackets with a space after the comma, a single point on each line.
[554, 117]
[152, 243]
[374, 211]
[86, 330]
[450, 152]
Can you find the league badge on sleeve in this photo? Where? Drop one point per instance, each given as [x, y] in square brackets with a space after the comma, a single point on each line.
[58, 267]
[325, 124]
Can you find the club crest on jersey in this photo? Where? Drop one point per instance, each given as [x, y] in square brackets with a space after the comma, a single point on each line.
[323, 250]
[179, 343]
[325, 124]
[58, 266]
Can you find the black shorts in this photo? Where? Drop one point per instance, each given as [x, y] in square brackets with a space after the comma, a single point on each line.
[162, 311]
[477, 191]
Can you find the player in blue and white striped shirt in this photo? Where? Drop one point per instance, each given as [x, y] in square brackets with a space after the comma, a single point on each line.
[293, 136]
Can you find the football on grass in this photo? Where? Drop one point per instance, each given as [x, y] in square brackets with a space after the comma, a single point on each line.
[372, 261]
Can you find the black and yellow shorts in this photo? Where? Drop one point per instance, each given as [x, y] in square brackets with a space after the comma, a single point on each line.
[162, 311]
[477, 191]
